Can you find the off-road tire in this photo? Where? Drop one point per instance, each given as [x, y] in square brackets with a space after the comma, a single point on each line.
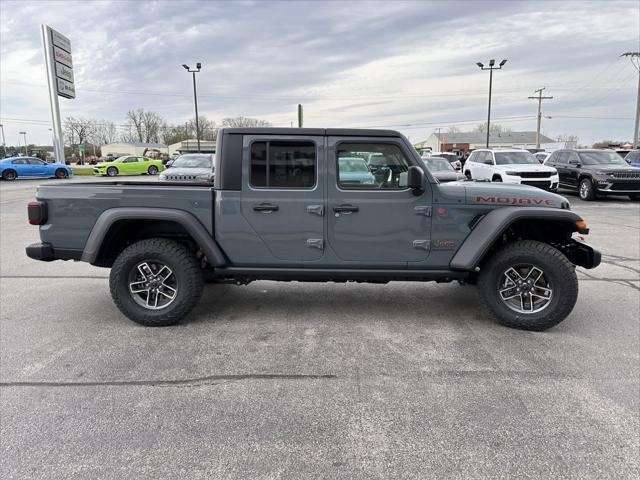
[61, 173]
[496, 178]
[558, 270]
[185, 267]
[112, 171]
[9, 175]
[153, 170]
[586, 192]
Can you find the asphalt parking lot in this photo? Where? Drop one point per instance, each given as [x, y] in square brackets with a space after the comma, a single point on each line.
[292, 380]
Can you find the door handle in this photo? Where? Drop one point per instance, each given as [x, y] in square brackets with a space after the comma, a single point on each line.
[345, 209]
[266, 208]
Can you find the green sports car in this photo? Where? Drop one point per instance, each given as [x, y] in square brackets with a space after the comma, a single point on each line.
[129, 165]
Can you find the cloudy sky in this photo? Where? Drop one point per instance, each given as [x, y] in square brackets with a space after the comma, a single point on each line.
[409, 66]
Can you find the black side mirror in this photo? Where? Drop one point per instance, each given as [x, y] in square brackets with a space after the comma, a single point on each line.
[574, 162]
[415, 180]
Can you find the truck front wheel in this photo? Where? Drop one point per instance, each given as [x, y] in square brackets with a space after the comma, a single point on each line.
[156, 282]
[528, 285]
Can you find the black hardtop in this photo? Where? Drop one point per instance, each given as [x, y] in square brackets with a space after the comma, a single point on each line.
[338, 132]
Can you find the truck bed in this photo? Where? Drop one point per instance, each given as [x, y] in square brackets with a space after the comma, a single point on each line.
[72, 210]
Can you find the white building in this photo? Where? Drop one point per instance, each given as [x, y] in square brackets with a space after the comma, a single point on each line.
[463, 142]
[191, 146]
[131, 148]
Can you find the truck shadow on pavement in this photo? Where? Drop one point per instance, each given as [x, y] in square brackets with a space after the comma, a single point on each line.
[271, 300]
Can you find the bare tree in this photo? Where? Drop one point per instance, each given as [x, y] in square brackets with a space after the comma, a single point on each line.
[144, 126]
[78, 130]
[244, 122]
[104, 132]
[494, 128]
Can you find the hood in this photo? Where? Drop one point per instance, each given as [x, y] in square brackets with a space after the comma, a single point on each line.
[186, 174]
[525, 167]
[497, 195]
[611, 168]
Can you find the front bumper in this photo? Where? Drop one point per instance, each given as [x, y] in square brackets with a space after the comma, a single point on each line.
[617, 187]
[583, 255]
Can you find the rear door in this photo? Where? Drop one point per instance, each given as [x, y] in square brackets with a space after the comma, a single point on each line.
[378, 224]
[37, 167]
[283, 196]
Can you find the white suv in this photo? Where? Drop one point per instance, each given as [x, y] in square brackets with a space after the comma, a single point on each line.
[510, 166]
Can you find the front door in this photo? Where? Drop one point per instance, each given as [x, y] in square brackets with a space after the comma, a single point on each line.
[283, 196]
[374, 221]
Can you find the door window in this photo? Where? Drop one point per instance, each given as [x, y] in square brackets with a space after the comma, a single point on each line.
[562, 158]
[283, 164]
[20, 161]
[35, 161]
[384, 163]
[130, 160]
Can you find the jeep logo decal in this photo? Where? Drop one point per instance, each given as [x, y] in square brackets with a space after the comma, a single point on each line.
[515, 201]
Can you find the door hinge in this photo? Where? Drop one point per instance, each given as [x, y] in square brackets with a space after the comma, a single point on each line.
[421, 244]
[422, 210]
[315, 243]
[316, 210]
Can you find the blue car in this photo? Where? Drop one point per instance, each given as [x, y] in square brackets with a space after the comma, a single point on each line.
[14, 167]
[633, 158]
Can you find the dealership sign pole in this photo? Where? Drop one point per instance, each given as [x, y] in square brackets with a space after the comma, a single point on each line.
[57, 54]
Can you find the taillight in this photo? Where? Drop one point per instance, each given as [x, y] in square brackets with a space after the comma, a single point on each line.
[37, 212]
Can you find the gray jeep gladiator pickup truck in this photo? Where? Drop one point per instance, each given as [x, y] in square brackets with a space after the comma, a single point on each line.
[318, 205]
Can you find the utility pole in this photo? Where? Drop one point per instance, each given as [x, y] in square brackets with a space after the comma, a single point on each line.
[635, 61]
[300, 116]
[439, 142]
[539, 98]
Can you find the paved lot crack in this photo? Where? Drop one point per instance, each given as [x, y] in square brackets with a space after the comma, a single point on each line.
[179, 382]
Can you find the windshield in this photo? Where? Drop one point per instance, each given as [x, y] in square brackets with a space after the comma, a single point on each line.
[601, 158]
[438, 164]
[353, 165]
[120, 159]
[515, 158]
[192, 161]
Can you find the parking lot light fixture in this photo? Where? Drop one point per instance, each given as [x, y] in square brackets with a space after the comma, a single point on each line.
[24, 134]
[491, 68]
[195, 97]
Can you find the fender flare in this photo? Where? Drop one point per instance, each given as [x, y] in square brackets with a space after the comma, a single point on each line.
[495, 223]
[190, 223]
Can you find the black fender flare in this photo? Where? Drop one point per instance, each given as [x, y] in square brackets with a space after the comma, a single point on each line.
[191, 224]
[495, 223]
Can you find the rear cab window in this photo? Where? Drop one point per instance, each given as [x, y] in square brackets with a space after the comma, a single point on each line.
[283, 164]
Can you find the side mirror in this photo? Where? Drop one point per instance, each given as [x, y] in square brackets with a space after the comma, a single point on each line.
[415, 180]
[574, 162]
[488, 162]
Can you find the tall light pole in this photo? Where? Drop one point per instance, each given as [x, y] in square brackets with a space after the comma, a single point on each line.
[195, 97]
[24, 134]
[4, 144]
[635, 60]
[491, 68]
[539, 98]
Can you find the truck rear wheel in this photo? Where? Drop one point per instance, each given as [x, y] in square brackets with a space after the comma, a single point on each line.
[529, 285]
[156, 282]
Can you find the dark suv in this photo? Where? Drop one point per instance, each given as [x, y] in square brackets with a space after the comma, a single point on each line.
[595, 172]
